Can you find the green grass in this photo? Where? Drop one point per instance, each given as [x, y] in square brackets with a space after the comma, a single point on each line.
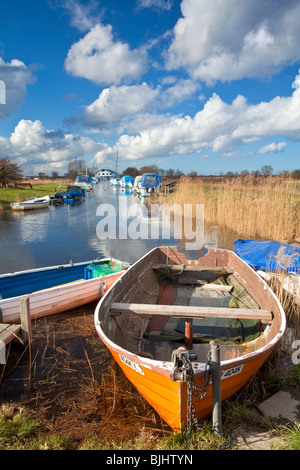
[290, 436]
[8, 195]
[19, 432]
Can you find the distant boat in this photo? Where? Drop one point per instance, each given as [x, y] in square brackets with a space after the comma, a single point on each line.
[31, 204]
[158, 320]
[150, 183]
[56, 289]
[84, 181]
[72, 195]
[137, 184]
[127, 181]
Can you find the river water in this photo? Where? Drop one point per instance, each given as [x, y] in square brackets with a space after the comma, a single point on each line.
[109, 222]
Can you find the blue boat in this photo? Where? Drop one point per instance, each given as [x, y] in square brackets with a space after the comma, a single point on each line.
[72, 195]
[150, 183]
[56, 289]
[127, 181]
[84, 181]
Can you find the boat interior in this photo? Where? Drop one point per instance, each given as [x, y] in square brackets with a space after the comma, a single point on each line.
[171, 304]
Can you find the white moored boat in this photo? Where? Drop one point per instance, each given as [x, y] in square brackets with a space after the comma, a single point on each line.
[31, 204]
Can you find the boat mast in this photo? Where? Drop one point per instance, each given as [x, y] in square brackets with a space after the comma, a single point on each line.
[117, 162]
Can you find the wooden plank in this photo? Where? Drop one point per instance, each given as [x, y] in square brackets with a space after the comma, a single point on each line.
[25, 319]
[218, 287]
[191, 281]
[9, 332]
[192, 312]
[192, 268]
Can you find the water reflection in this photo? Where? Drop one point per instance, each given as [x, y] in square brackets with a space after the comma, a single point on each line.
[60, 234]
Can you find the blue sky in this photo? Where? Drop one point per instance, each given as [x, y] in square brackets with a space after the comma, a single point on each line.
[197, 85]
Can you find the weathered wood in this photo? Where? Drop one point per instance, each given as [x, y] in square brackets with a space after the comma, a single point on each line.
[25, 319]
[9, 332]
[191, 268]
[192, 312]
[188, 334]
[191, 280]
[218, 287]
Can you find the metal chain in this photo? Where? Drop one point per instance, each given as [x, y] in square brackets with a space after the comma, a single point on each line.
[193, 390]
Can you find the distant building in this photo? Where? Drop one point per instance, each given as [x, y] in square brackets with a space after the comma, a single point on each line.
[105, 174]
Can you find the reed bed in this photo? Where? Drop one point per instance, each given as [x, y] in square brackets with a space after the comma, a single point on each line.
[251, 207]
[266, 208]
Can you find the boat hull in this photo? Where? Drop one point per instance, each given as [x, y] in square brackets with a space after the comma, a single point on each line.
[155, 378]
[61, 297]
[37, 203]
[169, 398]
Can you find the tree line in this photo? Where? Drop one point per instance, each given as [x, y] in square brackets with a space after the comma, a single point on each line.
[11, 172]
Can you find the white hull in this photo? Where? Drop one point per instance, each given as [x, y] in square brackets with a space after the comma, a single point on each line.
[57, 299]
[144, 192]
[31, 204]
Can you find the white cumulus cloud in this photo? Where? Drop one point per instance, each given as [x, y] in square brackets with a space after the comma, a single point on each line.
[273, 148]
[15, 76]
[219, 126]
[97, 57]
[36, 148]
[115, 102]
[233, 39]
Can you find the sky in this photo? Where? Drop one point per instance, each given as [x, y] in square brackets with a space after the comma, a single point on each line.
[210, 86]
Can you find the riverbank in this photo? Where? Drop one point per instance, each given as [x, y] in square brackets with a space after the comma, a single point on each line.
[67, 394]
[260, 208]
[28, 190]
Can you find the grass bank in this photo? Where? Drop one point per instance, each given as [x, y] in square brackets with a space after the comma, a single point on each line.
[72, 396]
[22, 193]
[115, 417]
[260, 208]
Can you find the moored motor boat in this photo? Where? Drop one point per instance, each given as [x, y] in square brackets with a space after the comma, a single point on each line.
[56, 289]
[159, 318]
[72, 195]
[31, 204]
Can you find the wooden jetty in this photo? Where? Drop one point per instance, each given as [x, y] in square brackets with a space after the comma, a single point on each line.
[10, 332]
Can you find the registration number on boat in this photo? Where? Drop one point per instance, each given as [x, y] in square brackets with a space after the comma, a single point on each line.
[230, 372]
[131, 364]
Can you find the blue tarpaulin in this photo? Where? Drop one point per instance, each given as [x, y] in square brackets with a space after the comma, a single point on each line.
[269, 255]
[127, 179]
[150, 180]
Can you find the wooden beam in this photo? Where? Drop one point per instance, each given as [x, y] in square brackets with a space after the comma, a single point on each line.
[191, 268]
[25, 319]
[183, 311]
[218, 287]
[9, 332]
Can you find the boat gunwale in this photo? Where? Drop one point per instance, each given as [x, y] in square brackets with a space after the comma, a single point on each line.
[165, 366]
[60, 266]
[62, 286]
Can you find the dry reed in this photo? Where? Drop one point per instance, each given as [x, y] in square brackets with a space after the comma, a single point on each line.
[72, 387]
[266, 208]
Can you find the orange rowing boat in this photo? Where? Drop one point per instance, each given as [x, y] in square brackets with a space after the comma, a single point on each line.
[159, 318]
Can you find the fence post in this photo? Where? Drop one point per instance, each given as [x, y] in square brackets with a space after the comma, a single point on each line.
[25, 320]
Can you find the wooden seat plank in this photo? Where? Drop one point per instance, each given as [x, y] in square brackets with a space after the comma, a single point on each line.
[192, 268]
[192, 312]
